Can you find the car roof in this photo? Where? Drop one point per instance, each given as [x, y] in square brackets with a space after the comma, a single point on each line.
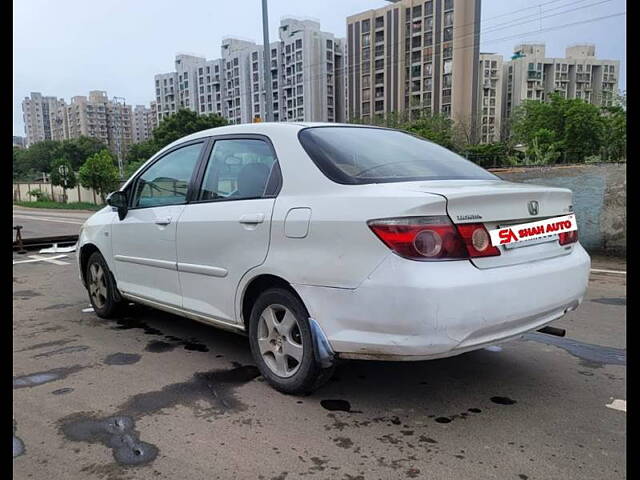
[264, 128]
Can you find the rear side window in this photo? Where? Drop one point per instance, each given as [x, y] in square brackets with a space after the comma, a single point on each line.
[238, 169]
[359, 155]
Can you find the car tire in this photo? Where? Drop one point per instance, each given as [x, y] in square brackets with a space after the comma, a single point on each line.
[104, 297]
[277, 345]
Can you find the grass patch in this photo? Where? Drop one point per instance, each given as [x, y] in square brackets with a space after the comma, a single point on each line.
[58, 205]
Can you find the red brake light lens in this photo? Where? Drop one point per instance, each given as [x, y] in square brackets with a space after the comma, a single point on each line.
[566, 238]
[433, 238]
[477, 240]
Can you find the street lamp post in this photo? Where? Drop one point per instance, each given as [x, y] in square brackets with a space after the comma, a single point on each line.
[266, 57]
[119, 133]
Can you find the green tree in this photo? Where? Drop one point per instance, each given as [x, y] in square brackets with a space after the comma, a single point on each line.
[437, 128]
[614, 133]
[68, 181]
[543, 149]
[583, 130]
[182, 123]
[77, 150]
[140, 152]
[21, 167]
[100, 174]
[569, 127]
[39, 156]
[171, 128]
[487, 154]
[131, 167]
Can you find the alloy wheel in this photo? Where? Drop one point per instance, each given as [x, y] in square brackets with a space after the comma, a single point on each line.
[97, 285]
[279, 340]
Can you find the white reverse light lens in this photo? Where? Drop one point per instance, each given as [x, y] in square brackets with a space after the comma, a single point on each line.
[480, 239]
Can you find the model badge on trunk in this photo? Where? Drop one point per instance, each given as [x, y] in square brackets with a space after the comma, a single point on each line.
[469, 217]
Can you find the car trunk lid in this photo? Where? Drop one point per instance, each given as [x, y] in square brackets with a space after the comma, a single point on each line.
[497, 203]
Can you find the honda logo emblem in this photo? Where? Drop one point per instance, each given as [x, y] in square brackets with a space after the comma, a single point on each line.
[533, 207]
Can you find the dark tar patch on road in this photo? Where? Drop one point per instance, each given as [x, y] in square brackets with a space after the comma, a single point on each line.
[336, 405]
[38, 378]
[62, 391]
[122, 358]
[158, 346]
[71, 349]
[593, 356]
[18, 444]
[118, 431]
[24, 294]
[503, 400]
[620, 301]
[54, 343]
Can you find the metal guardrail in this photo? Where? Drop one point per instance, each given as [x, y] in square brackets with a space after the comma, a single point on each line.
[22, 245]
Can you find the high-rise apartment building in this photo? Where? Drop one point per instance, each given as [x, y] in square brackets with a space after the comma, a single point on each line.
[489, 117]
[96, 116]
[531, 75]
[166, 94]
[44, 118]
[311, 73]
[99, 117]
[239, 79]
[141, 123]
[306, 67]
[414, 56]
[19, 141]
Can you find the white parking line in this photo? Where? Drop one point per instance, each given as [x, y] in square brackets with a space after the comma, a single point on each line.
[38, 258]
[46, 219]
[598, 270]
[618, 404]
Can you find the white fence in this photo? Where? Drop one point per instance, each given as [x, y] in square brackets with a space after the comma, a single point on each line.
[55, 193]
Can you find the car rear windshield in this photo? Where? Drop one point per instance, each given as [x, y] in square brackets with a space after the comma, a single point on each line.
[358, 155]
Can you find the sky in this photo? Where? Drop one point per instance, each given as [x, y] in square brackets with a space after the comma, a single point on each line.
[69, 47]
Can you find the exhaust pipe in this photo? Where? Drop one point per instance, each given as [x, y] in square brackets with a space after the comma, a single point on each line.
[558, 332]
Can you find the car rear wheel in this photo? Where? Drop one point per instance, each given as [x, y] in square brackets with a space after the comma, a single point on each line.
[104, 298]
[282, 344]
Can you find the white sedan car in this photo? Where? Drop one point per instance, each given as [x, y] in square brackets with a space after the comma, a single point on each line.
[330, 241]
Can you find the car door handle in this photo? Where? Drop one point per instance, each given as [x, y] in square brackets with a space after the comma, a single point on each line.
[252, 218]
[163, 221]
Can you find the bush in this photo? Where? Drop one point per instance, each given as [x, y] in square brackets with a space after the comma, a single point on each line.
[39, 194]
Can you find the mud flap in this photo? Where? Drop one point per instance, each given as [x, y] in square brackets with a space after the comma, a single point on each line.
[321, 349]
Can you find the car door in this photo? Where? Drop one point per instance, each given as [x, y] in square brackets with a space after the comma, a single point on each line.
[144, 242]
[224, 231]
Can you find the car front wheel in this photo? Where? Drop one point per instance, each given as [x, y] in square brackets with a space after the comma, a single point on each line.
[101, 287]
[282, 344]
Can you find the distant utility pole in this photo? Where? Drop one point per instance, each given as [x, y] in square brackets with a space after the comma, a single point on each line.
[266, 54]
[119, 132]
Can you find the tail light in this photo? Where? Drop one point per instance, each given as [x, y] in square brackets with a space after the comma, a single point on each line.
[433, 238]
[566, 238]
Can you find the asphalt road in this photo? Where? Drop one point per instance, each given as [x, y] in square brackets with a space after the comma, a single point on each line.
[48, 222]
[157, 396]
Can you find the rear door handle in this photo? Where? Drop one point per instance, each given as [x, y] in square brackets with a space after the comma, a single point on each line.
[163, 221]
[252, 218]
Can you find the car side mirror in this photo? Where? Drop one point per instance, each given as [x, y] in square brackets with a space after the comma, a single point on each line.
[118, 200]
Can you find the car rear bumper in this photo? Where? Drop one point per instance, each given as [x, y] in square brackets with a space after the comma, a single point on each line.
[407, 310]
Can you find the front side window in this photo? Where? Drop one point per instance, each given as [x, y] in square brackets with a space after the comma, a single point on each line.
[237, 169]
[166, 182]
[360, 155]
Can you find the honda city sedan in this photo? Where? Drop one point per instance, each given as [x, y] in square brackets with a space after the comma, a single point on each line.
[323, 242]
